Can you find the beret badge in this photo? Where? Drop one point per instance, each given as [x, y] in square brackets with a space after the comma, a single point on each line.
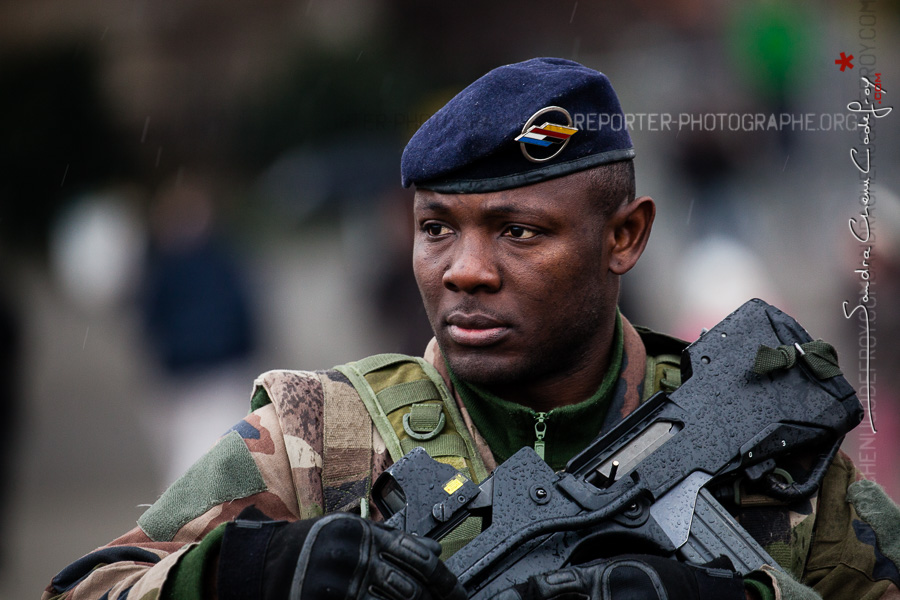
[547, 140]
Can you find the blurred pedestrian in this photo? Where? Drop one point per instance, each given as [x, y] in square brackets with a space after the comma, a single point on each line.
[198, 319]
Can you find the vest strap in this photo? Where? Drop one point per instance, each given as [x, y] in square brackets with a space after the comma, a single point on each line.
[443, 445]
[425, 418]
[378, 361]
[404, 394]
[424, 421]
[663, 373]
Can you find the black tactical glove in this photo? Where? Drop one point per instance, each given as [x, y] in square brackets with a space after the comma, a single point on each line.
[633, 577]
[334, 557]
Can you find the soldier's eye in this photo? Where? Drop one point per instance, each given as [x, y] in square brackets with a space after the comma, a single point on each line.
[435, 229]
[520, 233]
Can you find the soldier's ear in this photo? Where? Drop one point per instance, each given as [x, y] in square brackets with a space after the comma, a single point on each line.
[628, 230]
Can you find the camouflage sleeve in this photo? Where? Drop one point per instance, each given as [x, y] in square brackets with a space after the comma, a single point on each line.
[842, 543]
[854, 549]
[247, 466]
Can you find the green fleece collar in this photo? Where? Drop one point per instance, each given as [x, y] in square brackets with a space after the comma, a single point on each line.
[508, 427]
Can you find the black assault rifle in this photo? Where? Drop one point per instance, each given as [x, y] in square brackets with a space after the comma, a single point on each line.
[645, 485]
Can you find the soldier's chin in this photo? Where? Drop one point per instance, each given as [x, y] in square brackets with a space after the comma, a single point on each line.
[478, 368]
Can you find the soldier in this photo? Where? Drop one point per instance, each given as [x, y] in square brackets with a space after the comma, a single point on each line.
[525, 223]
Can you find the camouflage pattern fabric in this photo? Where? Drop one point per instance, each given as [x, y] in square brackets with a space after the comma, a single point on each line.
[308, 456]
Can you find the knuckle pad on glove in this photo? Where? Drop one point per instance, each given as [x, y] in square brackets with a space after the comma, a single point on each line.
[566, 584]
[394, 585]
[409, 554]
[415, 550]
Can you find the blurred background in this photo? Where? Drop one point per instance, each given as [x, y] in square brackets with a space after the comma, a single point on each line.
[194, 192]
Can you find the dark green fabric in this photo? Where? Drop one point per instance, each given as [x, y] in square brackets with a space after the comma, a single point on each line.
[188, 577]
[819, 356]
[260, 398]
[227, 472]
[507, 427]
[657, 343]
[763, 592]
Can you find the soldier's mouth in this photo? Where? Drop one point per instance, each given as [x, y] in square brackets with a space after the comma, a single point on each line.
[476, 337]
[475, 329]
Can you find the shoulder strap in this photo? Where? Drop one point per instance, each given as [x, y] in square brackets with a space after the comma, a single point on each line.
[663, 374]
[663, 370]
[410, 406]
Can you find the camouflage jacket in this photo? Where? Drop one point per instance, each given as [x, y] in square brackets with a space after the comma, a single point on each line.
[296, 456]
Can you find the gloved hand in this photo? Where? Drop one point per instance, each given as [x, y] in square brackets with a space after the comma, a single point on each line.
[633, 577]
[333, 557]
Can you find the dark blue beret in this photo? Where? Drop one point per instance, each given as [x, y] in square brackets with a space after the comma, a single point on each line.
[519, 124]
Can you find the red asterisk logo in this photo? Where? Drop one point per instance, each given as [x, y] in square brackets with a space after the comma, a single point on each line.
[844, 61]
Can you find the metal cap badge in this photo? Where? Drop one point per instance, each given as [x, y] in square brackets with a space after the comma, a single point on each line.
[546, 140]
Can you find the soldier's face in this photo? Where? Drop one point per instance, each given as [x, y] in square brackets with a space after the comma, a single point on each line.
[516, 283]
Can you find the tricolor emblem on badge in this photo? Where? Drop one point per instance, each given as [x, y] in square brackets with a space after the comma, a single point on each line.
[550, 136]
